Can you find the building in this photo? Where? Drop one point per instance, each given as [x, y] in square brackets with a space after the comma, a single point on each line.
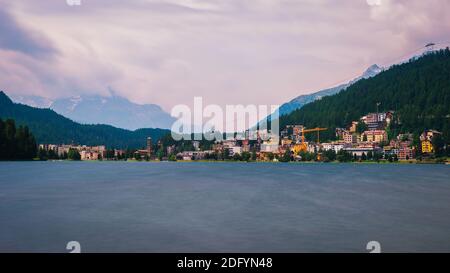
[170, 149]
[427, 146]
[370, 118]
[89, 155]
[86, 152]
[376, 136]
[218, 147]
[389, 117]
[48, 147]
[119, 153]
[313, 148]
[377, 121]
[286, 142]
[284, 133]
[234, 150]
[335, 146]
[245, 145]
[359, 151]
[269, 147]
[349, 137]
[390, 150]
[426, 139]
[296, 131]
[429, 134]
[64, 149]
[352, 128]
[193, 155]
[340, 133]
[405, 153]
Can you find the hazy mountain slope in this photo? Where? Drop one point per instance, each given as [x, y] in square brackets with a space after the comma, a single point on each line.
[49, 127]
[300, 101]
[114, 110]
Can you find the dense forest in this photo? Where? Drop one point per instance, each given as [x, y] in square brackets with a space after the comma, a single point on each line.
[418, 91]
[52, 128]
[16, 143]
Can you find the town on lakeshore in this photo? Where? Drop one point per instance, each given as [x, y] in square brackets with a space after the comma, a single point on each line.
[364, 140]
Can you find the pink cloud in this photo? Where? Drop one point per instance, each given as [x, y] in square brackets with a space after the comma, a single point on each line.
[167, 52]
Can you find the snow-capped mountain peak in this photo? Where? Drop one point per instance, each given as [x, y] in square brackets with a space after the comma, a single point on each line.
[33, 101]
[373, 70]
[113, 110]
[75, 100]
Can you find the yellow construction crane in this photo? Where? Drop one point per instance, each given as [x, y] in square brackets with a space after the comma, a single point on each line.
[302, 147]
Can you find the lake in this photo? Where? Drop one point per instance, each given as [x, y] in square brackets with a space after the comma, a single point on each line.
[223, 207]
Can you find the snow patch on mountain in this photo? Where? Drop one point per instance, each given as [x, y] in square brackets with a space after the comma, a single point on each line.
[113, 110]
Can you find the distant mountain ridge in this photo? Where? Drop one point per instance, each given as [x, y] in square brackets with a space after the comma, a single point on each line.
[114, 110]
[301, 100]
[49, 127]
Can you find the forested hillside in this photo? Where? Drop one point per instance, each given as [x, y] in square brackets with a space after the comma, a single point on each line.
[418, 91]
[50, 127]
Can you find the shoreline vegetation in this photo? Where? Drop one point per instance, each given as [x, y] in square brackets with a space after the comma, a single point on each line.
[18, 144]
[442, 161]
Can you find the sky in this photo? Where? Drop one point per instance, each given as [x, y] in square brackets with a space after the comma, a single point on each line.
[166, 52]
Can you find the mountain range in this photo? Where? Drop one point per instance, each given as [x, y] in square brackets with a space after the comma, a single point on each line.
[52, 128]
[300, 101]
[120, 112]
[113, 110]
[417, 91]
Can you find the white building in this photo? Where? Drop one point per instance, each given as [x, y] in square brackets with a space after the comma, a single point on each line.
[235, 150]
[359, 151]
[269, 147]
[334, 146]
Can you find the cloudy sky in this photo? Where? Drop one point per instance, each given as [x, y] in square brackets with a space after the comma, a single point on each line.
[228, 51]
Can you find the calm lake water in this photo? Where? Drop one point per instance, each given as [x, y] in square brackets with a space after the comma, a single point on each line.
[223, 207]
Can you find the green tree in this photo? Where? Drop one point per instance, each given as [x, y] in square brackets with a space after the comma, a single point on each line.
[363, 156]
[160, 154]
[361, 127]
[110, 154]
[16, 143]
[343, 156]
[51, 154]
[237, 157]
[377, 156]
[226, 154]
[42, 154]
[286, 156]
[329, 155]
[438, 145]
[73, 154]
[246, 156]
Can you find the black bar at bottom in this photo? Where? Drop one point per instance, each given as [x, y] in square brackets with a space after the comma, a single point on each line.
[266, 262]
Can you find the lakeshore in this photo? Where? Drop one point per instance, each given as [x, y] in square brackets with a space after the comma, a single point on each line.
[445, 161]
